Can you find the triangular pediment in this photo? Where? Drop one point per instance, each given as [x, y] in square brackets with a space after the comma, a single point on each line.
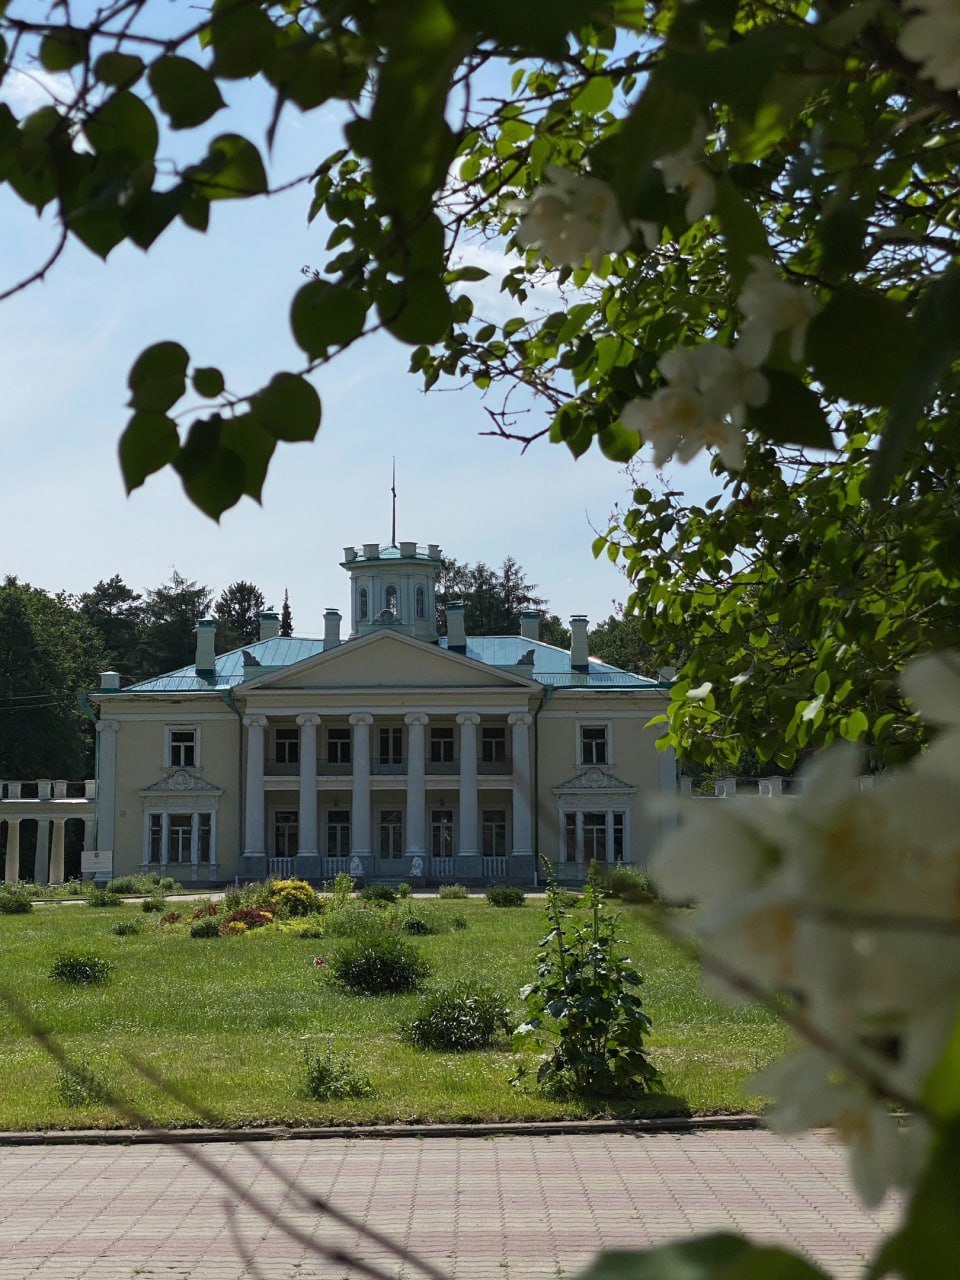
[594, 780]
[181, 783]
[386, 660]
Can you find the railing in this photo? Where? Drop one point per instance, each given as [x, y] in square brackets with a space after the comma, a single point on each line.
[334, 867]
[334, 768]
[395, 767]
[494, 868]
[727, 788]
[48, 789]
[495, 766]
[281, 868]
[442, 868]
[280, 769]
[442, 766]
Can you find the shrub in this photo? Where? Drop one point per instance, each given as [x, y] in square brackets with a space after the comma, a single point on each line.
[380, 963]
[377, 893]
[14, 901]
[104, 898]
[293, 898]
[421, 917]
[416, 924]
[330, 1075]
[80, 1087]
[630, 884]
[80, 970]
[452, 891]
[164, 883]
[403, 890]
[205, 927]
[506, 895]
[152, 904]
[340, 888]
[254, 894]
[126, 928]
[353, 920]
[172, 917]
[205, 909]
[458, 1019]
[249, 917]
[131, 884]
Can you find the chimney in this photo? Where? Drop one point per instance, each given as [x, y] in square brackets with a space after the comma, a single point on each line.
[530, 624]
[578, 643]
[331, 629]
[206, 663]
[269, 625]
[456, 632]
[110, 681]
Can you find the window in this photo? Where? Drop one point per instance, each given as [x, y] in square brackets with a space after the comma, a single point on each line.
[421, 605]
[493, 745]
[618, 837]
[338, 746]
[363, 603]
[391, 745]
[441, 833]
[593, 744]
[390, 600]
[570, 837]
[286, 825]
[391, 833]
[155, 840]
[441, 746]
[493, 833]
[338, 833]
[179, 837]
[182, 747]
[287, 746]
[595, 837]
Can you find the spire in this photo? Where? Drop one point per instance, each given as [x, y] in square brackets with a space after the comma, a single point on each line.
[393, 522]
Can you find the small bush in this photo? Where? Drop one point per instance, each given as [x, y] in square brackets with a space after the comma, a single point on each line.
[630, 884]
[422, 918]
[452, 891]
[14, 901]
[377, 893]
[164, 883]
[254, 894]
[205, 909]
[416, 924]
[340, 888]
[131, 884]
[379, 964]
[293, 898]
[506, 895]
[404, 890]
[249, 917]
[81, 970]
[127, 928]
[104, 898]
[205, 927]
[80, 1087]
[152, 904]
[459, 1019]
[172, 917]
[330, 1075]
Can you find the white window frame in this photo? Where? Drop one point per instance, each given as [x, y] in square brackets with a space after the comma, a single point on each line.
[343, 829]
[399, 829]
[607, 727]
[488, 824]
[168, 745]
[295, 826]
[293, 740]
[577, 812]
[487, 739]
[180, 810]
[442, 746]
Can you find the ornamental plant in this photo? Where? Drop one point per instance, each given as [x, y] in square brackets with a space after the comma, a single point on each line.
[584, 1010]
[80, 969]
[249, 917]
[329, 1075]
[14, 900]
[458, 1019]
[506, 895]
[378, 963]
[292, 898]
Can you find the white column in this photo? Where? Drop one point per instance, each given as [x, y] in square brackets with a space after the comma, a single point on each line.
[469, 843]
[253, 841]
[360, 812]
[522, 796]
[307, 827]
[106, 782]
[11, 865]
[56, 852]
[416, 784]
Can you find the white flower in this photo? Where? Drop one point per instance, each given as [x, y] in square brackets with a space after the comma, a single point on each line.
[681, 172]
[665, 420]
[572, 220]
[771, 306]
[932, 37]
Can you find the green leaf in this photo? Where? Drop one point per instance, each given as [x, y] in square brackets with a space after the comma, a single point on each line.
[208, 382]
[214, 477]
[469, 274]
[325, 315]
[151, 213]
[537, 29]
[941, 1091]
[63, 48]
[871, 369]
[159, 377]
[246, 438]
[232, 169]
[716, 1257]
[854, 726]
[660, 123]
[187, 92]
[741, 227]
[792, 414]
[618, 443]
[928, 1246]
[418, 310]
[148, 443]
[289, 408]
[118, 69]
[123, 128]
[243, 37]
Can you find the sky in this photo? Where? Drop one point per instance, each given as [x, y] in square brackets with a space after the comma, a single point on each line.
[67, 344]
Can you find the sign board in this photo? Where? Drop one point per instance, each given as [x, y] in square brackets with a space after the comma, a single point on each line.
[96, 864]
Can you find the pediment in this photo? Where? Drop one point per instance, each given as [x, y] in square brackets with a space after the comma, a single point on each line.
[385, 660]
[593, 780]
[181, 783]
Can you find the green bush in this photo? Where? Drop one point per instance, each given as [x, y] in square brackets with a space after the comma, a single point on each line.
[423, 918]
[458, 1019]
[131, 884]
[80, 1087]
[127, 928]
[104, 898]
[80, 970]
[14, 901]
[381, 963]
[377, 893]
[165, 884]
[452, 891]
[152, 904]
[506, 895]
[330, 1075]
[630, 884]
[403, 890]
[340, 888]
[294, 898]
[205, 927]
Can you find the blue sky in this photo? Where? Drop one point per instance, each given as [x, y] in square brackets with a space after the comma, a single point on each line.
[67, 344]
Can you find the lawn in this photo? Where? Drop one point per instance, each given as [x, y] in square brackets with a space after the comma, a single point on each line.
[228, 1021]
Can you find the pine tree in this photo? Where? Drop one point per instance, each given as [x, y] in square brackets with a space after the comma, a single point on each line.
[286, 617]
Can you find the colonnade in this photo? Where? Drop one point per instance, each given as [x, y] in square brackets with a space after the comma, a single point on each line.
[51, 809]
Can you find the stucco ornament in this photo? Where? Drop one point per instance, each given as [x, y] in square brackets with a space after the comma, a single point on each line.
[931, 36]
[572, 220]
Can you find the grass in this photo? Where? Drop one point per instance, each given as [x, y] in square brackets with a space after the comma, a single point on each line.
[230, 1021]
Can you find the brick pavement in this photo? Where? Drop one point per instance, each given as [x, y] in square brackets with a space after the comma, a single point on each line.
[527, 1207]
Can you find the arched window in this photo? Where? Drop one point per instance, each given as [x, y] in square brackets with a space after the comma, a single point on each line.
[421, 603]
[363, 606]
[391, 599]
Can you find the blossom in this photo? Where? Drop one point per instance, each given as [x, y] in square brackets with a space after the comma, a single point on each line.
[318, 962]
[771, 306]
[932, 37]
[665, 419]
[572, 220]
[681, 171]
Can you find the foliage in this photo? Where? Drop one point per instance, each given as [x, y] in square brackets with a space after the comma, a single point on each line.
[352, 920]
[80, 1086]
[403, 889]
[619, 641]
[378, 893]
[205, 909]
[14, 900]
[585, 1007]
[286, 616]
[506, 895]
[630, 884]
[127, 928]
[293, 898]
[104, 898]
[458, 1019]
[237, 613]
[116, 613]
[249, 917]
[171, 613]
[154, 904]
[340, 889]
[206, 927]
[423, 918]
[132, 885]
[80, 969]
[172, 917]
[329, 1075]
[452, 891]
[493, 599]
[379, 963]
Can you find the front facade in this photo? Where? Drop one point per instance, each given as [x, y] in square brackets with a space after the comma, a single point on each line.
[392, 754]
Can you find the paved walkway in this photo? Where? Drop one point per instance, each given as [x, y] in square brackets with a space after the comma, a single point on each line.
[479, 1209]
